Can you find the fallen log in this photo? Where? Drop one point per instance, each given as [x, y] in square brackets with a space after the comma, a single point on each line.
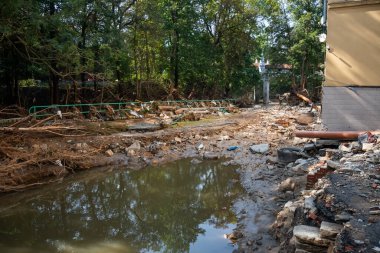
[332, 135]
[38, 129]
[307, 100]
[145, 127]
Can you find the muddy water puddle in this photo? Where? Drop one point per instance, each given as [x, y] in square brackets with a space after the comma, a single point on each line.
[179, 207]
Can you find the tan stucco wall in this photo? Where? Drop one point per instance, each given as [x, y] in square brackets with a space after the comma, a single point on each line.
[353, 35]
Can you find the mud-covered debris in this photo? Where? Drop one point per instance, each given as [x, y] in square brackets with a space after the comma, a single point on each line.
[177, 139]
[305, 118]
[155, 146]
[260, 148]
[367, 137]
[289, 154]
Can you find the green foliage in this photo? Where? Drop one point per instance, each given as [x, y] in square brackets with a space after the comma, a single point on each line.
[205, 48]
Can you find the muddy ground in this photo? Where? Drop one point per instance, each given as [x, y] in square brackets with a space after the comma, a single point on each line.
[277, 197]
[50, 158]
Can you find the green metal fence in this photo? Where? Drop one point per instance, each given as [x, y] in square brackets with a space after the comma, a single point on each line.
[48, 110]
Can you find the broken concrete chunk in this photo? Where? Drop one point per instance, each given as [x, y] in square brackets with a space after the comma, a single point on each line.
[310, 235]
[260, 148]
[368, 146]
[306, 247]
[330, 230]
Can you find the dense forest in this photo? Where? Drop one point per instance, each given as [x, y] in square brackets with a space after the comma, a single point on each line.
[59, 51]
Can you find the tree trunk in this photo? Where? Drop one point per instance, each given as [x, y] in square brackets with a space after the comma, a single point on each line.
[176, 60]
[54, 80]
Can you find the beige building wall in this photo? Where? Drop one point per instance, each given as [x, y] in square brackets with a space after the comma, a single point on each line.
[351, 93]
[353, 36]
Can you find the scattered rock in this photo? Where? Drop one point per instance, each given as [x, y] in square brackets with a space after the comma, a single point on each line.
[109, 153]
[155, 147]
[310, 202]
[333, 165]
[136, 146]
[195, 161]
[260, 148]
[224, 138]
[271, 160]
[177, 140]
[343, 217]
[200, 146]
[234, 236]
[210, 156]
[330, 230]
[289, 154]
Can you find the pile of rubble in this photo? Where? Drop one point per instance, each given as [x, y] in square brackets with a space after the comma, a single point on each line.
[337, 208]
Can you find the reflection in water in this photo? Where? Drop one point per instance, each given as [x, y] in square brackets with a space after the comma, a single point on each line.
[176, 208]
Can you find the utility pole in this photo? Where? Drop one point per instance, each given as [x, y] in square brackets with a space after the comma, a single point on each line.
[264, 75]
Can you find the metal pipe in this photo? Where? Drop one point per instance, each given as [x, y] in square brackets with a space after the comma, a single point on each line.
[324, 13]
[332, 135]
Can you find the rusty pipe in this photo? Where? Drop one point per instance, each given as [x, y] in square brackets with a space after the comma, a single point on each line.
[332, 135]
